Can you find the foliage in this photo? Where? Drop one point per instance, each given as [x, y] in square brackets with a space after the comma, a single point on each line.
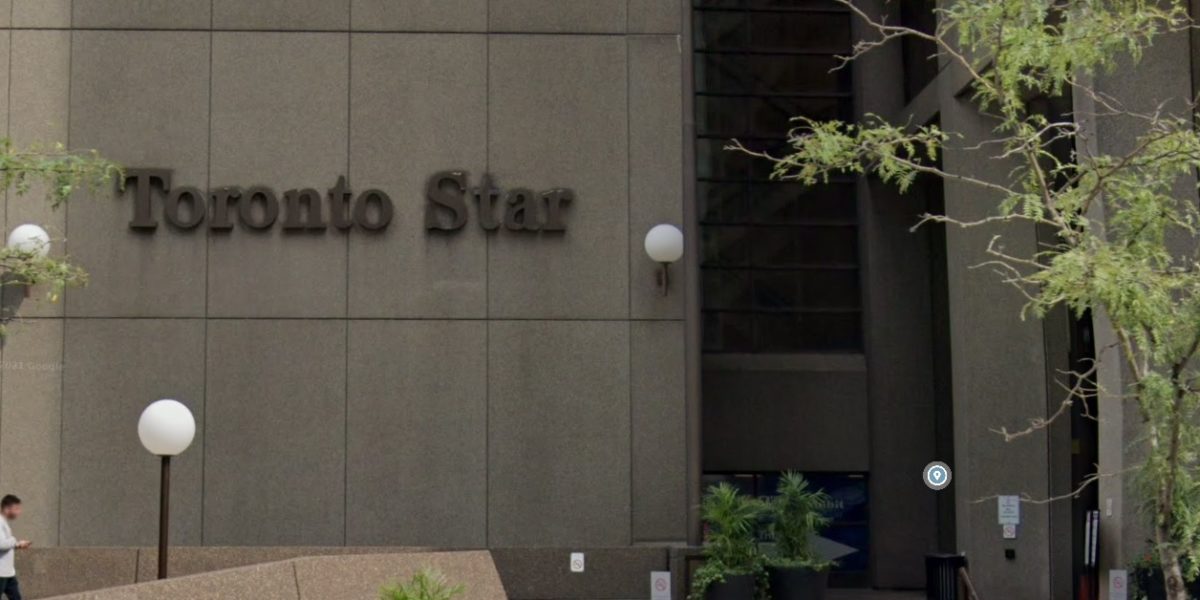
[730, 542]
[798, 514]
[426, 584]
[1109, 214]
[61, 173]
[1146, 578]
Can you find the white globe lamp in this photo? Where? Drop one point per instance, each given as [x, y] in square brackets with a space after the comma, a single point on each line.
[31, 239]
[166, 429]
[664, 245]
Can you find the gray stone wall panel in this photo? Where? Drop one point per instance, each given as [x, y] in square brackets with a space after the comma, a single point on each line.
[142, 14]
[41, 13]
[113, 369]
[273, 15]
[38, 110]
[31, 423]
[558, 433]
[657, 16]
[275, 459]
[417, 434]
[280, 119]
[655, 170]
[558, 16]
[419, 15]
[557, 118]
[659, 422]
[141, 99]
[413, 115]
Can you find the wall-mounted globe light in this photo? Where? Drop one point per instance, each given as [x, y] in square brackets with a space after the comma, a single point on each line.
[664, 245]
[30, 238]
[166, 429]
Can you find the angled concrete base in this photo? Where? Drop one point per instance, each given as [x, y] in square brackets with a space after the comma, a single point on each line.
[348, 577]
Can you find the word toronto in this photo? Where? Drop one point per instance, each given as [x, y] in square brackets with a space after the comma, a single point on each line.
[259, 207]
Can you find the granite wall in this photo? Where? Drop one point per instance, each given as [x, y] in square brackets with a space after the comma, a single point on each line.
[402, 387]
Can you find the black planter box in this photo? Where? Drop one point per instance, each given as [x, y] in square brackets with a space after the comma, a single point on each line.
[735, 587]
[797, 583]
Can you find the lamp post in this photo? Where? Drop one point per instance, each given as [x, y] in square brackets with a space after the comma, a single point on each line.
[166, 429]
[664, 245]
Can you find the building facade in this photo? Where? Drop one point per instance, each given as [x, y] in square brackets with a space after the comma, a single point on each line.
[390, 253]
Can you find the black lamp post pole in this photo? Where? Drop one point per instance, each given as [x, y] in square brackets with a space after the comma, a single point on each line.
[164, 507]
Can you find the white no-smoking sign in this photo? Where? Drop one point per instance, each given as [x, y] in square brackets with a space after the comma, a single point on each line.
[660, 585]
[1118, 585]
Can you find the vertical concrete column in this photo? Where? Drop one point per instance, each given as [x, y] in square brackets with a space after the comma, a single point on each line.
[898, 334]
[1162, 78]
[998, 362]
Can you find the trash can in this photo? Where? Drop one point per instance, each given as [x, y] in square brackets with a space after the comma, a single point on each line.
[941, 576]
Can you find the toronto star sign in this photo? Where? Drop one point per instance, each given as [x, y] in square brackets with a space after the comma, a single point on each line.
[260, 208]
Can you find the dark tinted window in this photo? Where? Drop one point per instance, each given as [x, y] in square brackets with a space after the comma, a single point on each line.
[780, 260]
[920, 62]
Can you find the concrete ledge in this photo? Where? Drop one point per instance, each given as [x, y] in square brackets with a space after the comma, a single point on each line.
[46, 572]
[356, 577]
[192, 560]
[526, 573]
[272, 581]
[610, 573]
[352, 577]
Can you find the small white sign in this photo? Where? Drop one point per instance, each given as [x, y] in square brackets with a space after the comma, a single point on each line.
[1118, 585]
[1010, 531]
[576, 562]
[660, 585]
[1009, 509]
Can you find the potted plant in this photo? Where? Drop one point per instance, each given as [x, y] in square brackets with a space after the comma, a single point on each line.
[733, 564]
[426, 584]
[797, 513]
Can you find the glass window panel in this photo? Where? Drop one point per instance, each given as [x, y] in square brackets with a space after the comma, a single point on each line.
[721, 73]
[780, 333]
[797, 203]
[772, 117]
[825, 32]
[713, 161]
[721, 29]
[733, 116]
[812, 289]
[724, 116]
[920, 62]
[808, 331]
[760, 170]
[727, 289]
[783, 74]
[726, 246]
[728, 332]
[770, 74]
[805, 246]
[780, 260]
[722, 202]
